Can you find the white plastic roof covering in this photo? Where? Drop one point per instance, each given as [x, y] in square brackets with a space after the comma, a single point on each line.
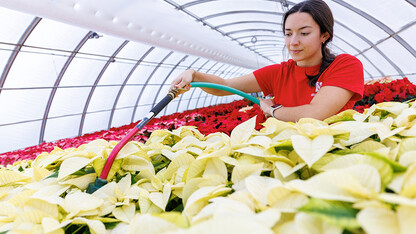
[70, 67]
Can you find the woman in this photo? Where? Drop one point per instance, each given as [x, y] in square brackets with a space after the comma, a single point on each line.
[314, 83]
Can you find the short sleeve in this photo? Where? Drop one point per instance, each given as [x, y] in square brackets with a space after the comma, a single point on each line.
[266, 76]
[347, 72]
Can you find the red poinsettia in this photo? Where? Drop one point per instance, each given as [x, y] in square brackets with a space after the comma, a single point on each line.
[386, 90]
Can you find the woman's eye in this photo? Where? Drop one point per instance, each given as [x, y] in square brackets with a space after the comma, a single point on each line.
[305, 34]
[288, 34]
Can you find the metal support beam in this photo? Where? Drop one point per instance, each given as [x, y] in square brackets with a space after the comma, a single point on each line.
[145, 84]
[120, 91]
[17, 49]
[87, 102]
[57, 82]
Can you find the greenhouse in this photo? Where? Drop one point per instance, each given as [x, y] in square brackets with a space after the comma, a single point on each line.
[96, 138]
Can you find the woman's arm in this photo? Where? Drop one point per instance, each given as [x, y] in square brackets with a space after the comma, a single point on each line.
[327, 102]
[246, 83]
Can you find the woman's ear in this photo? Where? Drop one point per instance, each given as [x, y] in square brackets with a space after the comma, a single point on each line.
[324, 37]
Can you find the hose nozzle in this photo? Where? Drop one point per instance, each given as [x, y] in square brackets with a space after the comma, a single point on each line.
[176, 92]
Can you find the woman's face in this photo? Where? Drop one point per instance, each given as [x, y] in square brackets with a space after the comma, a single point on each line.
[303, 39]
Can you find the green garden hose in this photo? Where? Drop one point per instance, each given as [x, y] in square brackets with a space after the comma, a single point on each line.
[225, 88]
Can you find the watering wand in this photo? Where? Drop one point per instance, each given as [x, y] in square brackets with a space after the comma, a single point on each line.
[102, 180]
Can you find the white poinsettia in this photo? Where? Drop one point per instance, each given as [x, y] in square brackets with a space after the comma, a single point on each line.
[80, 182]
[221, 205]
[8, 177]
[408, 158]
[396, 108]
[51, 193]
[52, 225]
[286, 169]
[116, 194]
[407, 144]
[95, 226]
[409, 182]
[362, 117]
[79, 202]
[208, 164]
[285, 199]
[284, 135]
[263, 141]
[125, 213]
[277, 179]
[216, 141]
[215, 167]
[189, 141]
[405, 118]
[311, 150]
[72, 165]
[410, 131]
[232, 224]
[370, 146]
[243, 132]
[185, 131]
[359, 131]
[349, 184]
[201, 197]
[160, 199]
[39, 173]
[182, 160]
[259, 186]
[151, 224]
[312, 128]
[44, 159]
[308, 224]
[384, 169]
[137, 163]
[257, 151]
[273, 127]
[244, 170]
[196, 183]
[385, 220]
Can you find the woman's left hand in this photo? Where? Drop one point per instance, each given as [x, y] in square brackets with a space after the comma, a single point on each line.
[265, 105]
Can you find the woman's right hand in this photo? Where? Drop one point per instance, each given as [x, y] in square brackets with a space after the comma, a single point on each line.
[183, 80]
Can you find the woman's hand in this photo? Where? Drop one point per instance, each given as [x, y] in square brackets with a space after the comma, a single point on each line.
[183, 81]
[265, 106]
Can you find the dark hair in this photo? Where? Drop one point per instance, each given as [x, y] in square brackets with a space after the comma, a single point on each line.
[322, 15]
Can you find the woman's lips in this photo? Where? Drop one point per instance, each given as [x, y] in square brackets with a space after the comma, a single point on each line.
[296, 51]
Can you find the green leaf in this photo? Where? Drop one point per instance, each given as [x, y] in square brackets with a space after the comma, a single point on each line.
[74, 229]
[345, 151]
[337, 213]
[53, 175]
[285, 145]
[346, 115]
[84, 171]
[395, 165]
[111, 225]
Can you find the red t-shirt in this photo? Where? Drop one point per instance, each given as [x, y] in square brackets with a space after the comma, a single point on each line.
[288, 83]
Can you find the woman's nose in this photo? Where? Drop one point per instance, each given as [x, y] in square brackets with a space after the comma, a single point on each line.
[294, 40]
